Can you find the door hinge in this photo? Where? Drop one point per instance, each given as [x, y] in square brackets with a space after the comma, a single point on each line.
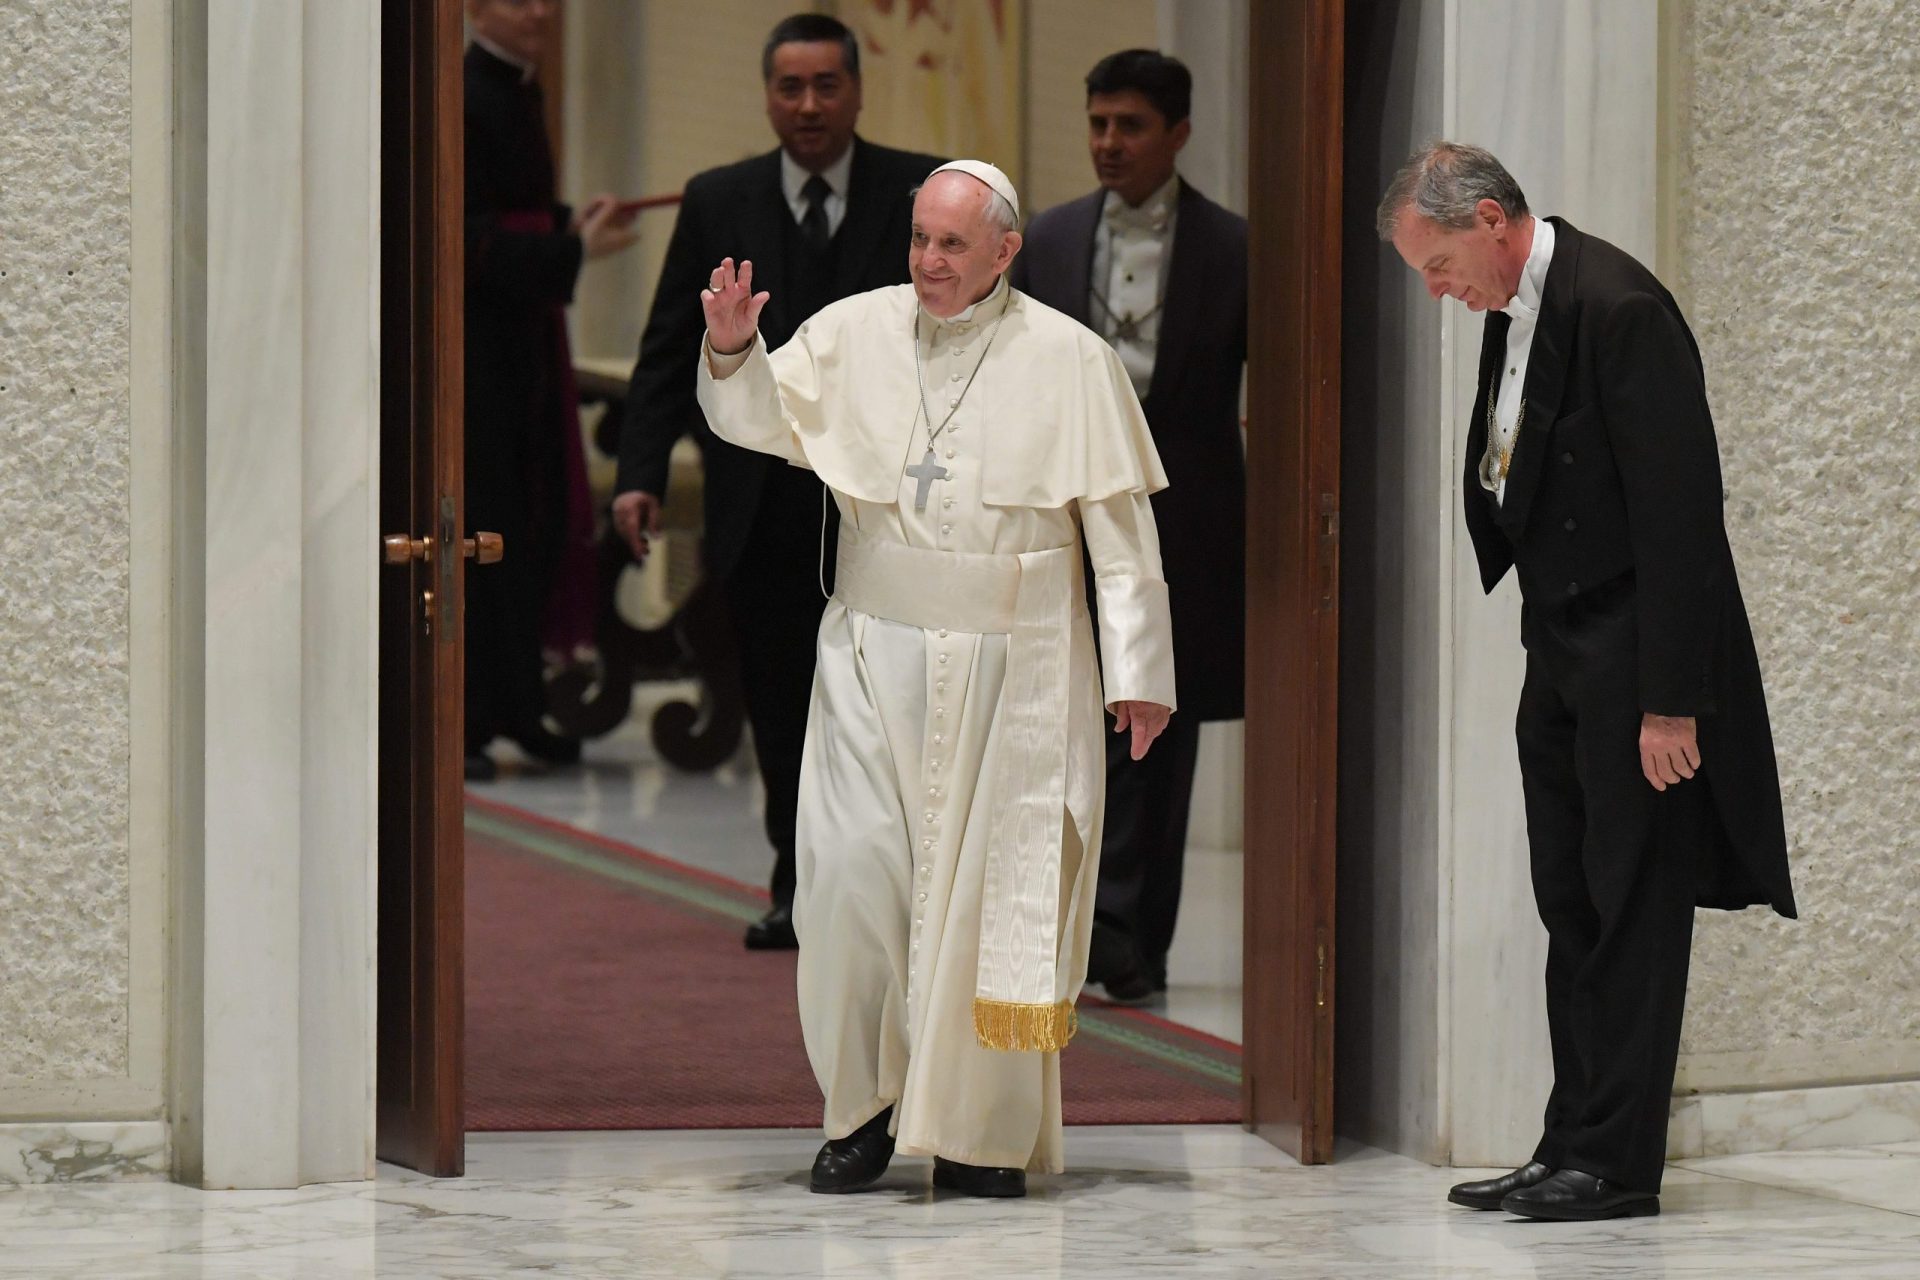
[1328, 545]
[1320, 977]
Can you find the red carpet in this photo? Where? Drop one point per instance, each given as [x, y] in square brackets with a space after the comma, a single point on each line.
[607, 989]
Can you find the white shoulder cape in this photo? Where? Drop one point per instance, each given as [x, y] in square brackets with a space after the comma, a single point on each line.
[1053, 402]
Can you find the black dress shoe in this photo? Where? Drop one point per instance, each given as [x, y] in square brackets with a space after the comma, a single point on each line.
[855, 1162]
[773, 932]
[480, 767]
[1572, 1196]
[1113, 961]
[1489, 1193]
[978, 1180]
[546, 747]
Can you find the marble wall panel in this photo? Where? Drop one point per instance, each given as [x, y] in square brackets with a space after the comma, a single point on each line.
[1565, 95]
[97, 1151]
[1796, 167]
[1395, 517]
[65, 316]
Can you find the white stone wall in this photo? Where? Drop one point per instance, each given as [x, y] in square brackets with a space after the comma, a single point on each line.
[1797, 199]
[65, 304]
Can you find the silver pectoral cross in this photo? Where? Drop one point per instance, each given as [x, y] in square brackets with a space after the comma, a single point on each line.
[926, 471]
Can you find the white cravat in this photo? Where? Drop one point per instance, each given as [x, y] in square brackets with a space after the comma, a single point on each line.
[793, 180]
[1130, 253]
[1524, 311]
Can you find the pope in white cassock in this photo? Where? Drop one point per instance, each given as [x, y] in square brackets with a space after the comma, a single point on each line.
[951, 790]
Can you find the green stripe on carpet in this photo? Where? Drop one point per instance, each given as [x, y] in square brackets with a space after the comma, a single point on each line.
[1166, 1045]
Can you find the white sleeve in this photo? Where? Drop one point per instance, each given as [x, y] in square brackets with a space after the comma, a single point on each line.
[750, 397]
[1136, 623]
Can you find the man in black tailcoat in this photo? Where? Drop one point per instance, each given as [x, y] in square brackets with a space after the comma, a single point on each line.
[825, 216]
[1160, 271]
[525, 469]
[1646, 757]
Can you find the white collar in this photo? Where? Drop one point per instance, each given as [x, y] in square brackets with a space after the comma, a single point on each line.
[1525, 303]
[985, 309]
[1154, 212]
[794, 175]
[525, 68]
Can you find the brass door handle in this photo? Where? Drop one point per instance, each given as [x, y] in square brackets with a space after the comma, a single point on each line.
[398, 548]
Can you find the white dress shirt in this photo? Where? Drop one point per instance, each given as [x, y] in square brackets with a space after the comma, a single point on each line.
[526, 69]
[1524, 310]
[793, 179]
[1130, 254]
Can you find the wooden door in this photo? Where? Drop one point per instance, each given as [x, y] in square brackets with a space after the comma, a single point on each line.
[1293, 530]
[421, 1115]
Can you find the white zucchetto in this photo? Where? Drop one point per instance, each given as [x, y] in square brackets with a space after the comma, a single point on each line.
[989, 174]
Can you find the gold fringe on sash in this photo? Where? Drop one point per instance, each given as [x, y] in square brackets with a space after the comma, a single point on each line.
[1003, 1024]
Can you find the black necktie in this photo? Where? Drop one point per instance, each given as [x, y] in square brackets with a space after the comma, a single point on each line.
[813, 224]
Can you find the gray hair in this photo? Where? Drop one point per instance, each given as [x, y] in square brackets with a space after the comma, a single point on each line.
[1444, 182]
[998, 213]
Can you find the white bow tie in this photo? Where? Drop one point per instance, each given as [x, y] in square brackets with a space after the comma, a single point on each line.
[1146, 218]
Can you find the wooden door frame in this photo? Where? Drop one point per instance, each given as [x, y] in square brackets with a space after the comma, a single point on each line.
[1293, 393]
[1296, 111]
[420, 1114]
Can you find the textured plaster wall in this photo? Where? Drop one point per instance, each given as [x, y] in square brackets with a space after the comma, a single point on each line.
[1796, 187]
[65, 131]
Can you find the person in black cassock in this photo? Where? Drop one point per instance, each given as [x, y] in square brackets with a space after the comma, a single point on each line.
[1646, 757]
[525, 466]
[1160, 271]
[824, 216]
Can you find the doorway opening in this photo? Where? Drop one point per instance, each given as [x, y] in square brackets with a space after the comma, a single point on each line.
[1285, 1068]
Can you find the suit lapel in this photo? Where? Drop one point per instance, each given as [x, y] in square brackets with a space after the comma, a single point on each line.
[1546, 380]
[1185, 295]
[763, 221]
[1493, 343]
[865, 225]
[1080, 224]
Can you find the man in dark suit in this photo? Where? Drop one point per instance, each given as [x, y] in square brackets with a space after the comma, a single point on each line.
[1160, 271]
[525, 468]
[1646, 757]
[824, 216]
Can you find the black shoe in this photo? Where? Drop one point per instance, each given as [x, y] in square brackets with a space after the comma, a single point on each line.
[1572, 1196]
[1489, 1193]
[546, 747]
[978, 1180]
[773, 932]
[480, 767]
[855, 1162]
[1114, 962]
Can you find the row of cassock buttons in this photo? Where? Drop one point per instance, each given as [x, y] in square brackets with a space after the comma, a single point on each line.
[936, 797]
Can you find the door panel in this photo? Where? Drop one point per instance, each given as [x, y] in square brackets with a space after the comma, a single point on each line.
[421, 1116]
[1293, 526]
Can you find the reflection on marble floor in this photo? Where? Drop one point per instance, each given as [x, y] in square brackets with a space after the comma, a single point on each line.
[1885, 1177]
[1140, 1202]
[713, 821]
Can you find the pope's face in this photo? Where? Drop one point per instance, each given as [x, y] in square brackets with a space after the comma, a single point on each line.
[521, 27]
[1478, 265]
[956, 254]
[812, 102]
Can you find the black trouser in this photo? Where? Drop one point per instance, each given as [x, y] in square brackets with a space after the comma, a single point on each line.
[1143, 847]
[773, 596]
[505, 669]
[1614, 876]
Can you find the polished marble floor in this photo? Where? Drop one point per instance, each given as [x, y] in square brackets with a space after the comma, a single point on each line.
[1161, 1201]
[713, 821]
